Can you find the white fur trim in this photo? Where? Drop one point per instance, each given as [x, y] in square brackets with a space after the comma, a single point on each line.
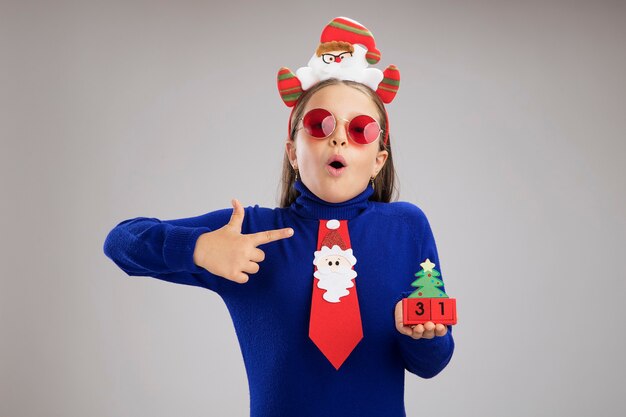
[332, 224]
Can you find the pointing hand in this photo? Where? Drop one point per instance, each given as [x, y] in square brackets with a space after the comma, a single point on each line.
[229, 253]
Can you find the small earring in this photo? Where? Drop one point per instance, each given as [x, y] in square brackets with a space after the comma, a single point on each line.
[297, 177]
[372, 181]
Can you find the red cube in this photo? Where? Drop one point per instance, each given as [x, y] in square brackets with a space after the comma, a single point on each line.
[416, 310]
[443, 310]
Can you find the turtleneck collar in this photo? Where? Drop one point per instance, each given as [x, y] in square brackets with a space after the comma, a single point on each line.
[309, 205]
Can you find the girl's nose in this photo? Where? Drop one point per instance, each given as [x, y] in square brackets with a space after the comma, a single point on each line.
[339, 136]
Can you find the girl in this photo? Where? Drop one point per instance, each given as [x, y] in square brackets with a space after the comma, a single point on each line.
[317, 310]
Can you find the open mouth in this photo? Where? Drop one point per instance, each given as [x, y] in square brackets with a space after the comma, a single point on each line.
[337, 161]
[336, 165]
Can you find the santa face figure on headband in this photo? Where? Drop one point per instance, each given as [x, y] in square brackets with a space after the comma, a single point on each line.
[346, 50]
[339, 60]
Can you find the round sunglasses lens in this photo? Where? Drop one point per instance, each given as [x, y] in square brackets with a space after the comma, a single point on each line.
[319, 123]
[364, 129]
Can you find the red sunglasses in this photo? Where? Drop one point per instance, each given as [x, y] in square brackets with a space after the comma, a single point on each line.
[320, 124]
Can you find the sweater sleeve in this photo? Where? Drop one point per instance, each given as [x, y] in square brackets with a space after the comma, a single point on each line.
[426, 357]
[164, 249]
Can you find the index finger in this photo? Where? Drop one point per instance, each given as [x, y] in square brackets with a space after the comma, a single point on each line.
[268, 236]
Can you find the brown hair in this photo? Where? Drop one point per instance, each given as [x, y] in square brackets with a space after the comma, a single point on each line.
[334, 46]
[385, 181]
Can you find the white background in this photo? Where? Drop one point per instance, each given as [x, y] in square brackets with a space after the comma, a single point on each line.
[508, 131]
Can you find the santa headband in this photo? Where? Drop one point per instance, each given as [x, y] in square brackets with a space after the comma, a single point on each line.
[345, 51]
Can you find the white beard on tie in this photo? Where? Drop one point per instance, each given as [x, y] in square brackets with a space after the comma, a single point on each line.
[336, 283]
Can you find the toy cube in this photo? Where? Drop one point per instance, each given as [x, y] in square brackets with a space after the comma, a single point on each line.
[416, 310]
[443, 310]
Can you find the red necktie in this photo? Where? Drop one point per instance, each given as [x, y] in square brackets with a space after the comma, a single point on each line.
[335, 325]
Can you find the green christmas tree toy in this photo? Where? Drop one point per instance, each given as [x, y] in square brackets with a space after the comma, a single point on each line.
[428, 302]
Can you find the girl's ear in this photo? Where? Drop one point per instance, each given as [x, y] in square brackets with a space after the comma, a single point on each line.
[290, 148]
[381, 158]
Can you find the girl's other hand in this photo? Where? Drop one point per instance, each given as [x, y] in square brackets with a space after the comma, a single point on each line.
[232, 255]
[427, 330]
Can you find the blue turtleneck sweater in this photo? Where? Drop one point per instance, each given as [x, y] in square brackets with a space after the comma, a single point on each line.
[287, 374]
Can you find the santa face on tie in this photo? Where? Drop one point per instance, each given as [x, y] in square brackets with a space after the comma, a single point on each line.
[334, 272]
